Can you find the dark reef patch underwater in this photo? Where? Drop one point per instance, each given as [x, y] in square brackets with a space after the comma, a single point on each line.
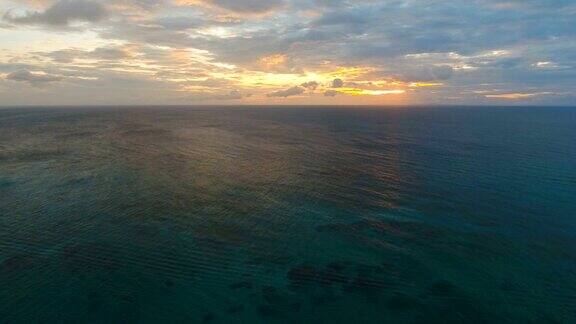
[288, 215]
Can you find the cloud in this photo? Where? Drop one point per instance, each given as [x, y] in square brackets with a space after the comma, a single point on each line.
[249, 6]
[354, 17]
[337, 83]
[179, 47]
[294, 91]
[151, 33]
[516, 96]
[138, 5]
[62, 14]
[182, 23]
[232, 95]
[239, 6]
[114, 53]
[35, 79]
[426, 74]
[110, 53]
[310, 85]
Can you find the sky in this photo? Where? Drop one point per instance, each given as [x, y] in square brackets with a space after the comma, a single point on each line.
[287, 52]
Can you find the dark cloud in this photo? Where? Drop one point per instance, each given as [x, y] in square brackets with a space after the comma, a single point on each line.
[232, 95]
[149, 34]
[100, 53]
[248, 6]
[424, 74]
[146, 5]
[181, 23]
[337, 83]
[62, 14]
[35, 79]
[294, 91]
[330, 93]
[310, 85]
[354, 17]
[192, 22]
[110, 53]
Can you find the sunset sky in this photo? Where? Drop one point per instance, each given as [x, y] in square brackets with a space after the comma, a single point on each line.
[378, 52]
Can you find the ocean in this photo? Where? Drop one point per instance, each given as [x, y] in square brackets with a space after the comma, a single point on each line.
[288, 215]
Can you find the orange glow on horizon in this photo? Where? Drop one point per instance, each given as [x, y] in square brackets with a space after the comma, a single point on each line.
[367, 92]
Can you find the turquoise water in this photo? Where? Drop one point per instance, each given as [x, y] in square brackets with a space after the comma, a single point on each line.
[288, 215]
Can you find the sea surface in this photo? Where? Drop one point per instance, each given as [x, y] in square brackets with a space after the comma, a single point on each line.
[288, 215]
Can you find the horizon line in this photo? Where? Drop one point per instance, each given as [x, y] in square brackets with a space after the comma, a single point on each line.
[287, 106]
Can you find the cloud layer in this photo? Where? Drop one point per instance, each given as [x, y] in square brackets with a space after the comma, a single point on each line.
[288, 51]
[35, 79]
[62, 13]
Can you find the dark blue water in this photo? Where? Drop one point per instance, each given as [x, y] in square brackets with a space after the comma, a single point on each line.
[288, 215]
